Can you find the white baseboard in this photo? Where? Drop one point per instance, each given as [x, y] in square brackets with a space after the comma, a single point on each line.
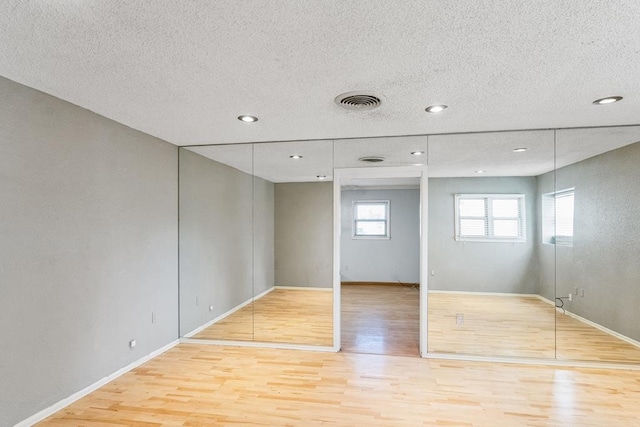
[594, 324]
[303, 288]
[260, 344]
[493, 294]
[228, 313]
[61, 404]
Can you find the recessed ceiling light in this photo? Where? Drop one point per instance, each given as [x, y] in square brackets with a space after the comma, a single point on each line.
[321, 176]
[436, 108]
[247, 119]
[479, 171]
[295, 156]
[520, 150]
[417, 153]
[607, 100]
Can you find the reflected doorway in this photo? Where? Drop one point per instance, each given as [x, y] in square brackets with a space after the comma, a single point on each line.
[380, 265]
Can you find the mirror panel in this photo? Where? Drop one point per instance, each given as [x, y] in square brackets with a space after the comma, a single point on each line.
[216, 242]
[597, 242]
[293, 226]
[484, 274]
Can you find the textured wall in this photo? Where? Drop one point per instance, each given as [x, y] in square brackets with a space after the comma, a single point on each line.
[304, 234]
[382, 260]
[480, 266]
[604, 257]
[216, 238]
[88, 250]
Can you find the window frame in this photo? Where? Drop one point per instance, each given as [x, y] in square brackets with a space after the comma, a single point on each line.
[488, 217]
[549, 221]
[355, 220]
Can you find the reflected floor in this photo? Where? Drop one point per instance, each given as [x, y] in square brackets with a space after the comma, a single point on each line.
[517, 326]
[381, 319]
[295, 316]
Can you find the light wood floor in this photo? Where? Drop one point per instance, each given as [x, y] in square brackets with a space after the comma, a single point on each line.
[294, 316]
[198, 385]
[516, 326]
[381, 319]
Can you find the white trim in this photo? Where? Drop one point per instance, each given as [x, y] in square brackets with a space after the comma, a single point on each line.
[594, 324]
[227, 313]
[259, 344]
[63, 403]
[495, 294]
[303, 288]
[533, 361]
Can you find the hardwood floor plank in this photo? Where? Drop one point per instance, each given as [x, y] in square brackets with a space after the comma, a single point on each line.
[193, 385]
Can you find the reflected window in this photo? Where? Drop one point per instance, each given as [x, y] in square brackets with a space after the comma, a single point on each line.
[490, 217]
[557, 217]
[371, 219]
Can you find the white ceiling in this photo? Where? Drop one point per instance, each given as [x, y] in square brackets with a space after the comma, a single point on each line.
[183, 71]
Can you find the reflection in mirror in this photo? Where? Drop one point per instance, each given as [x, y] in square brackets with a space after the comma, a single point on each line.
[485, 279]
[216, 249]
[380, 247]
[596, 236]
[293, 184]
[256, 241]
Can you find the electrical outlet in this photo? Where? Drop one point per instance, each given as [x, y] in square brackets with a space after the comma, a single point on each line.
[459, 319]
[132, 343]
[211, 308]
[582, 292]
[154, 317]
[570, 297]
[433, 273]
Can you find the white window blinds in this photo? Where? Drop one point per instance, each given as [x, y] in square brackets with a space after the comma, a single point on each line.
[490, 217]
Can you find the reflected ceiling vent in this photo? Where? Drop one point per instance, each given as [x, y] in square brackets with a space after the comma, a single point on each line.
[359, 101]
[371, 159]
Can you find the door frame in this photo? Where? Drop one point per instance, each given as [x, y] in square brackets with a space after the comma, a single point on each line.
[381, 172]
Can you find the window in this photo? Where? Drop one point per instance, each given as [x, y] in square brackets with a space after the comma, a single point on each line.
[371, 219]
[557, 217]
[490, 217]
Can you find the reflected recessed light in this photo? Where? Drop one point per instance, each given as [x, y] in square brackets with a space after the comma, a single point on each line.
[479, 171]
[248, 119]
[417, 153]
[321, 176]
[520, 150]
[436, 108]
[607, 100]
[295, 156]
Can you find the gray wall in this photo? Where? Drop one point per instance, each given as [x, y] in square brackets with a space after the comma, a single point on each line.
[88, 221]
[304, 234]
[216, 242]
[382, 260]
[604, 257]
[480, 266]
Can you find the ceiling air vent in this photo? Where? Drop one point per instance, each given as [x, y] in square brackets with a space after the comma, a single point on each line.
[372, 159]
[359, 101]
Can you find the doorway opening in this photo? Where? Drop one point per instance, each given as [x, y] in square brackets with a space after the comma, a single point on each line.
[380, 260]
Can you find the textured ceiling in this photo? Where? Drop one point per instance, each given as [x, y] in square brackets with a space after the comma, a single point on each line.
[184, 70]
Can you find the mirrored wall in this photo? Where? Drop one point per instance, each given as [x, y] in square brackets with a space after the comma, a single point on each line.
[256, 251]
[533, 238]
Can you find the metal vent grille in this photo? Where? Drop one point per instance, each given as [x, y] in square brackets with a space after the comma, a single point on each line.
[358, 101]
[372, 159]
